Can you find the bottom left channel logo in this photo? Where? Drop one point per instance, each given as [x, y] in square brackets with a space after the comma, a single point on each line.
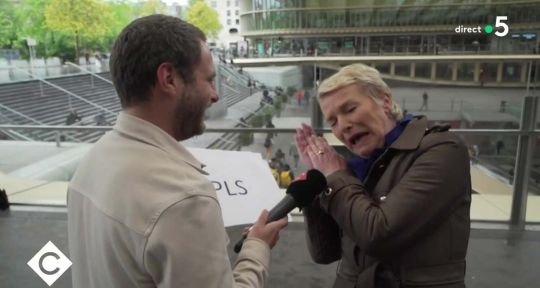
[49, 263]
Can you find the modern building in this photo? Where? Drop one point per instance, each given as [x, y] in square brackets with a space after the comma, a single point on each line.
[379, 27]
[229, 16]
[411, 27]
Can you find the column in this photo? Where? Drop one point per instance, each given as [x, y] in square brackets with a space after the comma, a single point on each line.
[433, 71]
[454, 71]
[523, 74]
[499, 72]
[476, 72]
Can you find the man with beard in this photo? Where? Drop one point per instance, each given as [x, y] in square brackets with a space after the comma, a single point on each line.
[141, 213]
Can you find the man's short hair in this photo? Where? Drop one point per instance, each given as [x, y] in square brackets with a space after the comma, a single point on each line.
[145, 44]
[367, 78]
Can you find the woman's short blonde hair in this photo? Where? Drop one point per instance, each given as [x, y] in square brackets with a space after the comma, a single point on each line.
[367, 78]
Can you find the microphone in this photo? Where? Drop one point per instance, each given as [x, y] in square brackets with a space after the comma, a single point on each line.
[300, 193]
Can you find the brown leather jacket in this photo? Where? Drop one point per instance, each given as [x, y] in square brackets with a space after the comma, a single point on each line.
[407, 225]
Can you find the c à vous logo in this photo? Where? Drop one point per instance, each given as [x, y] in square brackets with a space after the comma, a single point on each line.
[49, 263]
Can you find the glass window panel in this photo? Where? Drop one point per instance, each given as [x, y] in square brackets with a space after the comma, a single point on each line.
[402, 69]
[533, 200]
[422, 70]
[512, 72]
[444, 71]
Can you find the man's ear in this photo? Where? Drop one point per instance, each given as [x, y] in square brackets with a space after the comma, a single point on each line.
[167, 78]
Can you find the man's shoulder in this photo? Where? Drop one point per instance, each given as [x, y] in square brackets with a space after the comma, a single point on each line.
[133, 183]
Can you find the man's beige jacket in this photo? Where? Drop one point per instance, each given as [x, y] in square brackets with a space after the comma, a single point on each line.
[141, 213]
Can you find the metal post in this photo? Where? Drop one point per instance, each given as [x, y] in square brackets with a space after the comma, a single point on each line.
[41, 89]
[316, 113]
[523, 159]
[58, 139]
[523, 163]
[218, 81]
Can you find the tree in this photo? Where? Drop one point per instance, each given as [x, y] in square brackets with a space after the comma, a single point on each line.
[123, 13]
[32, 24]
[81, 18]
[205, 18]
[151, 7]
[7, 24]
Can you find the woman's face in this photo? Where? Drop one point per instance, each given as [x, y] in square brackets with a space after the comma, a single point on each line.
[357, 120]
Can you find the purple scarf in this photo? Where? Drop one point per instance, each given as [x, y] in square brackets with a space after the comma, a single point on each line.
[360, 166]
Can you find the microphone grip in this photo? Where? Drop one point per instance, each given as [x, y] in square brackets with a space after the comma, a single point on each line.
[286, 205]
[239, 244]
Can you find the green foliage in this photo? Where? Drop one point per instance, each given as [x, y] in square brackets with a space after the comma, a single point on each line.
[257, 120]
[152, 7]
[8, 24]
[31, 23]
[268, 112]
[290, 91]
[88, 18]
[69, 27]
[28, 19]
[82, 18]
[245, 139]
[205, 18]
[278, 104]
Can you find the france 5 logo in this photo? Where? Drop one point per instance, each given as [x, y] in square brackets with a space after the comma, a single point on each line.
[488, 29]
[499, 23]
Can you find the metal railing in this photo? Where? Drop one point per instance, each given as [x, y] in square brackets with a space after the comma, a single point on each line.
[93, 74]
[66, 91]
[524, 153]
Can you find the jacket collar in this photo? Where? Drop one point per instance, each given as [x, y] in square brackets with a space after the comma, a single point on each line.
[144, 131]
[412, 135]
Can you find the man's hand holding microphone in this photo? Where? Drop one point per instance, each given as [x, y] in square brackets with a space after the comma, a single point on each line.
[299, 194]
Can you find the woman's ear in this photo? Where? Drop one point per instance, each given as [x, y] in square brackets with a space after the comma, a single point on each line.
[387, 104]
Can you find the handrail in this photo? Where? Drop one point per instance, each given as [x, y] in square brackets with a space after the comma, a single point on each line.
[506, 132]
[9, 132]
[21, 114]
[89, 72]
[65, 91]
[31, 119]
[396, 58]
[234, 74]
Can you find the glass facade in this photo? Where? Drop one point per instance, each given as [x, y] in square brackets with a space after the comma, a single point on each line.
[353, 16]
[416, 27]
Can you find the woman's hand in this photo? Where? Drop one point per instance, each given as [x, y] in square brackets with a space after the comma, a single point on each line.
[323, 156]
[302, 136]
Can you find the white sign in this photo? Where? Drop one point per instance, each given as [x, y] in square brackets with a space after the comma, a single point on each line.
[31, 41]
[243, 182]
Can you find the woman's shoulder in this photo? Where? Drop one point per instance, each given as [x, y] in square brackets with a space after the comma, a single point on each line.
[440, 135]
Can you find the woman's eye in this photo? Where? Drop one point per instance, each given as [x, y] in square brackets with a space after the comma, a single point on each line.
[351, 109]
